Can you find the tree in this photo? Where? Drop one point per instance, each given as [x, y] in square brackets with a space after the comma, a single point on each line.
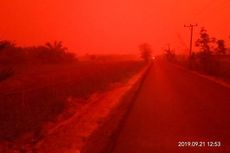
[221, 49]
[206, 61]
[10, 54]
[170, 54]
[53, 52]
[205, 41]
[146, 52]
[56, 46]
[6, 44]
[11, 57]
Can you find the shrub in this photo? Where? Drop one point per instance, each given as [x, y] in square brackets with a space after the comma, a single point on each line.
[6, 73]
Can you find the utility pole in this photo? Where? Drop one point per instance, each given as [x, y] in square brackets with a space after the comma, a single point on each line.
[191, 26]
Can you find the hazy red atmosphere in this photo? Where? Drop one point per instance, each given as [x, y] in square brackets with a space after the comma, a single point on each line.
[116, 26]
[115, 76]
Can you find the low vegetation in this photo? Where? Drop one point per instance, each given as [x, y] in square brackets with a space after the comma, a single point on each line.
[48, 76]
[13, 57]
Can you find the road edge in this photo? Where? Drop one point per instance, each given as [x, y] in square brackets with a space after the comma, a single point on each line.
[103, 140]
[208, 77]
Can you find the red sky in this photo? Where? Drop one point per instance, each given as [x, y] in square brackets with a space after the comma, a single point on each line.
[112, 26]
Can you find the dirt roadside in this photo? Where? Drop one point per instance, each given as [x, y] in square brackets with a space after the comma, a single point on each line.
[104, 138]
[91, 129]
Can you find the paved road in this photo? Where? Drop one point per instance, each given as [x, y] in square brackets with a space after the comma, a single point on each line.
[176, 105]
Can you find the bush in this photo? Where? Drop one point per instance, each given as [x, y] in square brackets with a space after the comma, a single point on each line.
[13, 57]
[27, 110]
[6, 73]
[207, 63]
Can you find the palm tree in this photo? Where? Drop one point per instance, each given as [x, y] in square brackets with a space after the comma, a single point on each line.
[56, 46]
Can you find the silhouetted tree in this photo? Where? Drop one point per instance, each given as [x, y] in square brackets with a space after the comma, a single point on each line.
[221, 49]
[10, 58]
[57, 46]
[170, 54]
[204, 41]
[54, 53]
[6, 44]
[206, 61]
[13, 57]
[146, 52]
[10, 54]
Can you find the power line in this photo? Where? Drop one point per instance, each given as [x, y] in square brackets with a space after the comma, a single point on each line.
[191, 26]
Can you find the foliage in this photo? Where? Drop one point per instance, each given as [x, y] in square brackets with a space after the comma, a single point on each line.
[43, 54]
[209, 57]
[170, 54]
[50, 53]
[221, 49]
[12, 57]
[10, 54]
[28, 109]
[5, 73]
[146, 52]
[6, 44]
[205, 41]
[204, 57]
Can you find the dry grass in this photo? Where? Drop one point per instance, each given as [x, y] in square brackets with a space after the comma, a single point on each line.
[37, 95]
[217, 66]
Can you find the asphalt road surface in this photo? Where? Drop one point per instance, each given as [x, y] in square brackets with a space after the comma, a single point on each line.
[176, 107]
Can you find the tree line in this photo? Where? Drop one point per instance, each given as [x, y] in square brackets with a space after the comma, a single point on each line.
[212, 56]
[13, 56]
[211, 52]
